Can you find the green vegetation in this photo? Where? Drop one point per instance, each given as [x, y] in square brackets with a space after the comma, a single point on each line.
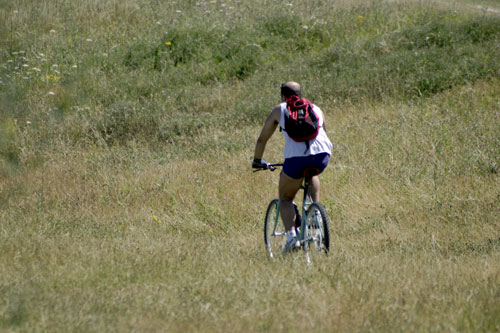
[126, 134]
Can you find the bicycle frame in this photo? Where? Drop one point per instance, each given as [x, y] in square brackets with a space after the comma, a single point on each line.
[302, 232]
[313, 228]
[306, 202]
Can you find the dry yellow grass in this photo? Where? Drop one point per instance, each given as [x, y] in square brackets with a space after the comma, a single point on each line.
[124, 239]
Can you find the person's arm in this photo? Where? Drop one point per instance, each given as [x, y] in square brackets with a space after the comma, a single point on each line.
[270, 125]
[323, 117]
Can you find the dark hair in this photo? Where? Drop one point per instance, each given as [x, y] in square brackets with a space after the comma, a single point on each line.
[288, 91]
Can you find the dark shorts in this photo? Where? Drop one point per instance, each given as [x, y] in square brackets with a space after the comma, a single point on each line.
[296, 167]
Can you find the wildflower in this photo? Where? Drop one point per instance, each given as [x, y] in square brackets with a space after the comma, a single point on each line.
[74, 66]
[37, 69]
[155, 218]
[51, 93]
[52, 31]
[54, 78]
[168, 43]
[361, 18]
[89, 40]
[158, 22]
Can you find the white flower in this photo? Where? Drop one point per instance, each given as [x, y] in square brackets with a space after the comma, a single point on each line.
[52, 31]
[89, 40]
[51, 93]
[37, 69]
[74, 66]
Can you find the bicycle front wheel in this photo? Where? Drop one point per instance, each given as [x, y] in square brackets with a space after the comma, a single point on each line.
[274, 231]
[318, 232]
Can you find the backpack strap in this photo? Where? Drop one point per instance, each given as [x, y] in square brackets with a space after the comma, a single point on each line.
[308, 145]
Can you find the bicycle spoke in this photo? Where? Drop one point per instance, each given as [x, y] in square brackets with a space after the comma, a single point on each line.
[318, 232]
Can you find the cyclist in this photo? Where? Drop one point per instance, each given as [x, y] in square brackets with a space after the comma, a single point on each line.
[299, 157]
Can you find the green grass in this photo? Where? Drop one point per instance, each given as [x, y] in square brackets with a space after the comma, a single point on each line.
[126, 196]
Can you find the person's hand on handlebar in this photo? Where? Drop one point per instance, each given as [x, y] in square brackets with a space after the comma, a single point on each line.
[259, 163]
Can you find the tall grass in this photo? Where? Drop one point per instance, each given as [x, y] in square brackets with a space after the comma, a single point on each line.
[126, 197]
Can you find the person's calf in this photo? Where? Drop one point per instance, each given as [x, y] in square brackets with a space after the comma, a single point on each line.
[287, 213]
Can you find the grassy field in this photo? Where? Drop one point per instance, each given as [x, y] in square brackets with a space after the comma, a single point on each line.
[127, 129]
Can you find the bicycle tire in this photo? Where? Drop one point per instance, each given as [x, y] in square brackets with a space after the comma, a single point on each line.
[274, 231]
[318, 231]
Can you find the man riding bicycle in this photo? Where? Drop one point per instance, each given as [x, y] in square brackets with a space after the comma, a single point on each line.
[301, 156]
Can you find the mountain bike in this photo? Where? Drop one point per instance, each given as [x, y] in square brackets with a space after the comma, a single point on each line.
[311, 224]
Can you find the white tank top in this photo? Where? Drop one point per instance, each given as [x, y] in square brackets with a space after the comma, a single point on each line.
[320, 144]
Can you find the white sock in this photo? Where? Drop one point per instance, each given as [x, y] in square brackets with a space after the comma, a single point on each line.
[291, 233]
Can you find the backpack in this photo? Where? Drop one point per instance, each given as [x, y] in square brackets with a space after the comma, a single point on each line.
[301, 122]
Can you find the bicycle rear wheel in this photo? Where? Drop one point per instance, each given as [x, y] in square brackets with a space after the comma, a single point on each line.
[274, 231]
[318, 231]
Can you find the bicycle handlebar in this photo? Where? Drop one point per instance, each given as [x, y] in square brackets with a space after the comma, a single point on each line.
[270, 166]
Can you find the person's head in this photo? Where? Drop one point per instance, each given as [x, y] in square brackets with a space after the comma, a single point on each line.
[289, 89]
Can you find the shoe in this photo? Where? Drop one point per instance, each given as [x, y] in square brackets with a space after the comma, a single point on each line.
[291, 245]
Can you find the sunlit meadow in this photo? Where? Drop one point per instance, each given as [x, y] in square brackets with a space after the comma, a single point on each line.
[127, 201]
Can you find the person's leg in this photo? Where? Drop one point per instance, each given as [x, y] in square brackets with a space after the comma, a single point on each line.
[314, 188]
[288, 188]
[320, 162]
